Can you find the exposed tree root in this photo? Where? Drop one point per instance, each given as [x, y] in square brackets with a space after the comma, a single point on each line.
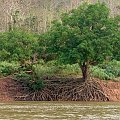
[88, 91]
[85, 91]
[43, 95]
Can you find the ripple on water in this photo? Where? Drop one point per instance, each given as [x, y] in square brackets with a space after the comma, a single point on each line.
[59, 111]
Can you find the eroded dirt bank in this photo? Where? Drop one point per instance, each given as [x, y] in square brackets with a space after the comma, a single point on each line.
[11, 90]
[111, 89]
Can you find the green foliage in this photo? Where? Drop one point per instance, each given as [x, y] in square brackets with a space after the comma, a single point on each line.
[7, 68]
[41, 62]
[17, 45]
[68, 69]
[106, 71]
[36, 85]
[84, 35]
[116, 47]
[53, 68]
[23, 77]
[31, 80]
[101, 73]
[112, 67]
[45, 70]
[109, 70]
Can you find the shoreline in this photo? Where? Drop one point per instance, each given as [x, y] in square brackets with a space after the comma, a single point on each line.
[11, 91]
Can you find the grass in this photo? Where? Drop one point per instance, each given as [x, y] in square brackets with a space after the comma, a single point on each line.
[105, 71]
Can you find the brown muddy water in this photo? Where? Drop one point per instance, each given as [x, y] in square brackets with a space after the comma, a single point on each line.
[60, 111]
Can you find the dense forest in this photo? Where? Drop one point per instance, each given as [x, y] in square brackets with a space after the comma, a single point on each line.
[51, 40]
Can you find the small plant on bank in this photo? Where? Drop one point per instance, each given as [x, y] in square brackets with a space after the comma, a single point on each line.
[101, 73]
[8, 68]
[70, 70]
[23, 77]
[31, 80]
[112, 67]
[36, 85]
[45, 71]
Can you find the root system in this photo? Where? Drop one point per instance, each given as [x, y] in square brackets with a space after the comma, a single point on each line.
[67, 90]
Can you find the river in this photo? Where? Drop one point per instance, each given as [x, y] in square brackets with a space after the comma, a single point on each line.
[60, 111]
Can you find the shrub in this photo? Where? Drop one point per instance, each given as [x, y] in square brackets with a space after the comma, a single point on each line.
[70, 69]
[53, 68]
[112, 67]
[17, 45]
[41, 62]
[31, 80]
[23, 77]
[101, 73]
[36, 85]
[44, 70]
[7, 68]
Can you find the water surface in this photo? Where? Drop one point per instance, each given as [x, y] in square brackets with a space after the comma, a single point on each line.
[60, 111]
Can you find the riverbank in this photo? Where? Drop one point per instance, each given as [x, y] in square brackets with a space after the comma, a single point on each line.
[55, 89]
[9, 89]
[111, 89]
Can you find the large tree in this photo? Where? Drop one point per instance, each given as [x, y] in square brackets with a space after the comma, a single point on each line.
[84, 35]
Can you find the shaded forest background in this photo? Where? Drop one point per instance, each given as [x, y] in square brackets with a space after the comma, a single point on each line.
[37, 15]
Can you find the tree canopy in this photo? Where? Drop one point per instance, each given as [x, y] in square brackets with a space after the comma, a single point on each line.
[85, 35]
[17, 45]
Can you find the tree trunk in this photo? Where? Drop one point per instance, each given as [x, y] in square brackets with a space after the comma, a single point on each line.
[85, 71]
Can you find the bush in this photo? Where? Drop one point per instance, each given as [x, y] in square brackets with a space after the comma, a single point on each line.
[44, 70]
[101, 73]
[7, 68]
[36, 85]
[41, 62]
[24, 77]
[70, 69]
[53, 68]
[31, 80]
[17, 45]
[112, 67]
[109, 70]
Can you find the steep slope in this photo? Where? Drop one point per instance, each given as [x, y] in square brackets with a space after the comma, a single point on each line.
[111, 89]
[9, 89]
